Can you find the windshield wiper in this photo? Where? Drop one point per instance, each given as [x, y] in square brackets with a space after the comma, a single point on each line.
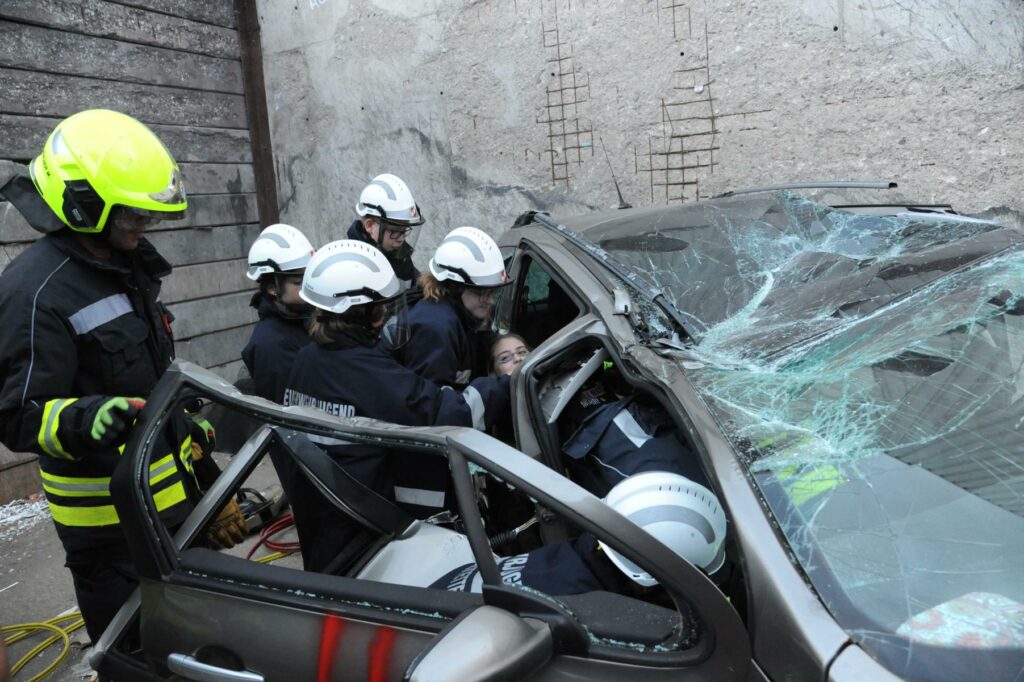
[690, 327]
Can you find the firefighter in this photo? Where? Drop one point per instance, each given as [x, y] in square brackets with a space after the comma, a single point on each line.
[344, 373]
[387, 214]
[277, 260]
[449, 330]
[85, 338]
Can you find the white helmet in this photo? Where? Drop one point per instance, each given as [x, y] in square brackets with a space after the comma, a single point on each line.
[389, 198]
[348, 273]
[685, 516]
[469, 256]
[279, 248]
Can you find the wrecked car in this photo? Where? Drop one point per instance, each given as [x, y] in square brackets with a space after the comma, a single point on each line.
[847, 378]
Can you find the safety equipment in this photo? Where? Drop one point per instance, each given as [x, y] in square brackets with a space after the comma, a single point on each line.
[112, 418]
[685, 516]
[97, 160]
[279, 249]
[348, 273]
[469, 256]
[387, 197]
[229, 528]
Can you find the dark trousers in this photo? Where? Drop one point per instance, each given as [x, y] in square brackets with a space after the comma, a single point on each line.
[104, 579]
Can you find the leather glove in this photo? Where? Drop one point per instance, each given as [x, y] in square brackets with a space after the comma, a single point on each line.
[229, 528]
[111, 420]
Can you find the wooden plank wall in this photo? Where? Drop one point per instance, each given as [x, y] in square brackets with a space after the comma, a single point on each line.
[175, 65]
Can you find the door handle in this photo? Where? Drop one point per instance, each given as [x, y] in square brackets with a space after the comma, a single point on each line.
[193, 669]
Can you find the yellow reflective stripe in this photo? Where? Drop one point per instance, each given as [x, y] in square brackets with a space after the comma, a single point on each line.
[106, 514]
[185, 454]
[161, 469]
[169, 496]
[83, 517]
[47, 437]
[75, 486]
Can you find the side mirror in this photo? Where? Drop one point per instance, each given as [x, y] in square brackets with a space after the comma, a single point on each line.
[486, 643]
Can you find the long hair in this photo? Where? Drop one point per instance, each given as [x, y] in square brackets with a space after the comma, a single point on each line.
[327, 327]
[433, 290]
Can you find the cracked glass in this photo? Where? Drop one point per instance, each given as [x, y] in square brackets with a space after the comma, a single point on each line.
[868, 370]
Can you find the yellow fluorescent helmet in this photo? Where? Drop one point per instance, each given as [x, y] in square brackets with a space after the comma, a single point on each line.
[98, 159]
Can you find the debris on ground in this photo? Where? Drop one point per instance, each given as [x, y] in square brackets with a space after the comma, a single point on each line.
[19, 515]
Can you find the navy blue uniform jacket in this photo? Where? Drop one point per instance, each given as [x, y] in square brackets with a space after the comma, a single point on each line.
[443, 345]
[351, 379]
[622, 438]
[271, 350]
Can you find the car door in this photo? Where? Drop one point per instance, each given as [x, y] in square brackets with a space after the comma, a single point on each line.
[210, 615]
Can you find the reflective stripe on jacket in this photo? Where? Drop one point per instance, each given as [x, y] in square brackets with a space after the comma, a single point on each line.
[84, 502]
[75, 331]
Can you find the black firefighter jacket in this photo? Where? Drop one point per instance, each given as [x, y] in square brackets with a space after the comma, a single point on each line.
[74, 331]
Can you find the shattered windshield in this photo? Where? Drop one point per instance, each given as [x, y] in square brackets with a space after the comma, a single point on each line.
[868, 369]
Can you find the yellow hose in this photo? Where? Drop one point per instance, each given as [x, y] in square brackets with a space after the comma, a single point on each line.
[23, 630]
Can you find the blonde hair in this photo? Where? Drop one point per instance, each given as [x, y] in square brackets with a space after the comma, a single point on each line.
[433, 290]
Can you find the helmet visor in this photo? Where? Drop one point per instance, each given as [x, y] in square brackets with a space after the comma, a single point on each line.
[392, 233]
[152, 216]
[394, 331]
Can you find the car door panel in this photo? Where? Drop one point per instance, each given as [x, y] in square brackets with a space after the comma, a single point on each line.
[201, 607]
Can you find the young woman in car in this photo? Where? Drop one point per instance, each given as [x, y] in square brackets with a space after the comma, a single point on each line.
[507, 352]
[449, 329]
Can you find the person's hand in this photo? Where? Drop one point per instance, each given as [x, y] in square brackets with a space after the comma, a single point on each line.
[229, 528]
[204, 437]
[111, 420]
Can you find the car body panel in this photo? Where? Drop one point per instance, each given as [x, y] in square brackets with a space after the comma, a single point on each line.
[794, 636]
[896, 270]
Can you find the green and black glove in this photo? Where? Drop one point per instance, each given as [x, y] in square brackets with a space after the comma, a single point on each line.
[108, 421]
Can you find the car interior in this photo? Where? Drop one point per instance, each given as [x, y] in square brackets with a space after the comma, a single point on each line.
[387, 556]
[388, 553]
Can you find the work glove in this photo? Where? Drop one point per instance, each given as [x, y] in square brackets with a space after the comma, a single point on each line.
[109, 421]
[203, 435]
[204, 441]
[228, 529]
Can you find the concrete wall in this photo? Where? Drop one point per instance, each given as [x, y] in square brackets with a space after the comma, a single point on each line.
[490, 107]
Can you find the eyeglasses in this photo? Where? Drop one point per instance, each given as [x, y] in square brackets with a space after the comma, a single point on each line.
[482, 294]
[508, 357]
[395, 232]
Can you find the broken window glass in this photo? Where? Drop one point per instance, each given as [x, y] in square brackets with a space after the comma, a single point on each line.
[868, 369]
